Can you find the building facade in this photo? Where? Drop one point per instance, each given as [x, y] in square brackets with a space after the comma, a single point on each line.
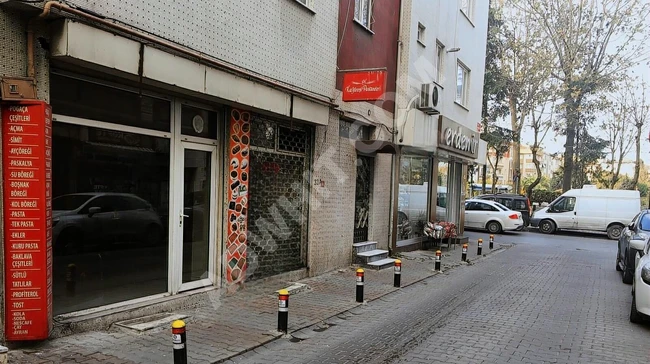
[439, 89]
[154, 151]
[367, 60]
[181, 159]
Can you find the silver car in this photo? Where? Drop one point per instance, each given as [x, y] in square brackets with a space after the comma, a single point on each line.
[98, 221]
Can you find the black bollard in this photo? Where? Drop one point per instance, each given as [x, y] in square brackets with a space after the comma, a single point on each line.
[179, 339]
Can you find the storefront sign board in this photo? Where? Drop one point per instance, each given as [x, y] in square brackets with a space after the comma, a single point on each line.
[457, 138]
[27, 173]
[364, 85]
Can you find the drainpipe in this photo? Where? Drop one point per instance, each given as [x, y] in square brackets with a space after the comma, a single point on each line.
[200, 57]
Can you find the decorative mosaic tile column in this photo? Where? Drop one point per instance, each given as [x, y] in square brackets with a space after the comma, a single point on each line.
[238, 172]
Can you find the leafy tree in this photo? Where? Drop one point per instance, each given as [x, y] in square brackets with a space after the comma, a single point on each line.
[494, 82]
[595, 41]
[527, 65]
[498, 139]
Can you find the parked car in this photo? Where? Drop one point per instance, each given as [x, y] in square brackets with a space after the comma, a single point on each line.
[589, 209]
[492, 216]
[512, 201]
[632, 241]
[640, 308]
[86, 221]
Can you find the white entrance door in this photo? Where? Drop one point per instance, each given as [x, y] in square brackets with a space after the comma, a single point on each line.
[194, 237]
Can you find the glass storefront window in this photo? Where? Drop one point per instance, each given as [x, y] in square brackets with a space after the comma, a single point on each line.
[94, 101]
[110, 216]
[413, 197]
[442, 197]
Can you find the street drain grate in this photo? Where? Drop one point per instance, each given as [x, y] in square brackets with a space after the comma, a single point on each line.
[147, 323]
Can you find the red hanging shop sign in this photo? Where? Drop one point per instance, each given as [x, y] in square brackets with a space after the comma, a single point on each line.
[27, 175]
[364, 86]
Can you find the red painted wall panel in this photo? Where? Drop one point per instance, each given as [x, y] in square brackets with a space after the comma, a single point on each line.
[360, 48]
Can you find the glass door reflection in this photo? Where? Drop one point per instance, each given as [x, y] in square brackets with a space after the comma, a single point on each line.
[197, 218]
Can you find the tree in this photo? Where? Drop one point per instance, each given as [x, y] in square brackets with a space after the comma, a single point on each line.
[639, 110]
[540, 129]
[493, 102]
[527, 64]
[620, 132]
[595, 41]
[498, 139]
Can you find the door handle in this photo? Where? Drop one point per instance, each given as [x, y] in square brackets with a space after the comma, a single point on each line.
[574, 212]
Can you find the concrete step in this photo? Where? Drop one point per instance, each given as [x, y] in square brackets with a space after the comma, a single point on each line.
[364, 246]
[372, 256]
[381, 264]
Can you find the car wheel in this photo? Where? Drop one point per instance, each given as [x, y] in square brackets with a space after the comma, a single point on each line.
[618, 260]
[635, 316]
[614, 231]
[493, 227]
[628, 272]
[547, 226]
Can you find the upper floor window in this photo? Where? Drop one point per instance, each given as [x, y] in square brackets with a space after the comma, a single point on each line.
[421, 29]
[363, 12]
[440, 58]
[467, 7]
[462, 84]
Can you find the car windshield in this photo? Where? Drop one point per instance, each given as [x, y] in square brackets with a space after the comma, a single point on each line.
[503, 208]
[69, 202]
[645, 223]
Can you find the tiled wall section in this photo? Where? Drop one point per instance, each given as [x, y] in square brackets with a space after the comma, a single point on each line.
[332, 200]
[380, 218]
[278, 38]
[13, 48]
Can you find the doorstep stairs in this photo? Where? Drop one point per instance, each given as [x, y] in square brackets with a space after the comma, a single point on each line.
[367, 255]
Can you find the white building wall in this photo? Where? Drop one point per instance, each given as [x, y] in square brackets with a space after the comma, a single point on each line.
[445, 23]
[281, 39]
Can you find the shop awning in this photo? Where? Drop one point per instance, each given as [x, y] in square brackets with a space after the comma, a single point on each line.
[375, 147]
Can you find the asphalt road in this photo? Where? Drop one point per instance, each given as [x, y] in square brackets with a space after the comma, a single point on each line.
[549, 299]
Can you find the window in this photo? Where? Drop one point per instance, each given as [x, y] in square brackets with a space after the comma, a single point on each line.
[467, 7]
[462, 83]
[565, 204]
[421, 29]
[363, 12]
[645, 222]
[121, 173]
[440, 57]
[413, 195]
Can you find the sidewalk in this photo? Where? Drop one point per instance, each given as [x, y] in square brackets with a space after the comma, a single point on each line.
[226, 325]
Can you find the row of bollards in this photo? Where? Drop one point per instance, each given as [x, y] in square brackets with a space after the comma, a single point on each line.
[179, 338]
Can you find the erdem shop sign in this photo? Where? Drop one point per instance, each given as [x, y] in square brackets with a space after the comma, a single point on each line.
[457, 138]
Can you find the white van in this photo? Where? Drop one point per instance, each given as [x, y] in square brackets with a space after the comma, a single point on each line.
[590, 209]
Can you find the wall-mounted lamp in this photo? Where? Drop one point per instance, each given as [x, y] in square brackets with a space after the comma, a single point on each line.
[452, 50]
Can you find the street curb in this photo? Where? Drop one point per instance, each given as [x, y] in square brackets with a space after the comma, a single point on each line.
[279, 335]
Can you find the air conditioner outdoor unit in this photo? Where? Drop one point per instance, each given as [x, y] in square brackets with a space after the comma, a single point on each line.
[430, 96]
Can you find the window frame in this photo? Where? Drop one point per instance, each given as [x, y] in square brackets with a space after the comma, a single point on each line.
[307, 4]
[440, 61]
[366, 6]
[421, 38]
[467, 8]
[465, 84]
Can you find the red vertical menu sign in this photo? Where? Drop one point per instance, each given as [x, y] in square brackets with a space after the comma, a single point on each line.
[27, 176]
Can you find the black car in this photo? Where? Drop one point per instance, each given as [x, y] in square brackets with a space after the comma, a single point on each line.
[512, 201]
[631, 241]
